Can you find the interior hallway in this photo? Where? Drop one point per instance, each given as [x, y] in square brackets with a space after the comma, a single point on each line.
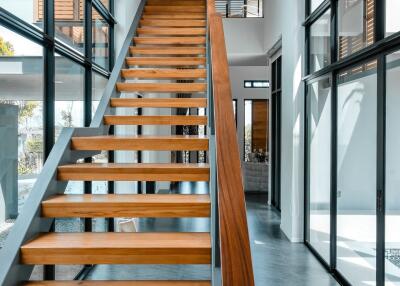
[276, 261]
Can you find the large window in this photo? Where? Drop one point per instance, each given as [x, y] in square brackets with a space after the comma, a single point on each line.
[21, 86]
[392, 217]
[26, 58]
[320, 53]
[319, 136]
[359, 240]
[356, 169]
[355, 25]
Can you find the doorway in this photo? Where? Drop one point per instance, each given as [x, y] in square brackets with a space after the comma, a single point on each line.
[276, 132]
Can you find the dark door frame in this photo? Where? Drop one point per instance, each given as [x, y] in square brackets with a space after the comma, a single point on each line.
[276, 132]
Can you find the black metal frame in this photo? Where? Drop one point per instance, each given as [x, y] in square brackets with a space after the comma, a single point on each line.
[51, 45]
[377, 51]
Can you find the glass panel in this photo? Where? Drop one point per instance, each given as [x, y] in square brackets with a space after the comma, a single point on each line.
[69, 23]
[21, 123]
[320, 49]
[69, 89]
[315, 4]
[99, 84]
[256, 130]
[356, 190]
[320, 171]
[355, 25]
[30, 11]
[392, 235]
[392, 19]
[100, 40]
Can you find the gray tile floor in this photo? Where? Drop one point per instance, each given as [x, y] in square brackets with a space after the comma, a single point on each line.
[276, 261]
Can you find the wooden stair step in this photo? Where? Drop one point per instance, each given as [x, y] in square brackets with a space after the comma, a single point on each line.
[166, 61]
[143, 50]
[172, 23]
[169, 40]
[164, 73]
[187, 16]
[155, 120]
[175, 2]
[90, 206]
[162, 87]
[134, 172]
[118, 283]
[159, 102]
[171, 31]
[175, 8]
[141, 142]
[118, 248]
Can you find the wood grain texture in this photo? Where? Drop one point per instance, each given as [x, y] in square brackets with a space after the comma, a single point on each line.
[169, 40]
[236, 263]
[187, 16]
[176, 2]
[118, 248]
[173, 23]
[164, 73]
[117, 283]
[175, 8]
[141, 142]
[166, 50]
[90, 206]
[159, 102]
[134, 172]
[148, 31]
[162, 87]
[166, 61]
[155, 120]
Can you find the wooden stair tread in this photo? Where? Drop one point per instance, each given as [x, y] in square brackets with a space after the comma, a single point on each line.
[166, 61]
[89, 206]
[170, 40]
[118, 248]
[133, 172]
[141, 142]
[172, 23]
[175, 2]
[161, 50]
[171, 31]
[164, 73]
[118, 283]
[159, 102]
[183, 16]
[155, 120]
[161, 87]
[175, 8]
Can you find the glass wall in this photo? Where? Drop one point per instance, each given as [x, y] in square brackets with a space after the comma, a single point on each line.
[364, 179]
[320, 46]
[356, 28]
[24, 101]
[392, 216]
[315, 4]
[21, 98]
[69, 23]
[319, 136]
[356, 169]
[100, 42]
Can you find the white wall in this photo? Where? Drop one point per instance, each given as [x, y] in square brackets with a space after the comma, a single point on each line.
[245, 41]
[292, 121]
[273, 20]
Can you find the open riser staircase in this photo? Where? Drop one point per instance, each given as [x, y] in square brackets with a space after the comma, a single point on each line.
[169, 50]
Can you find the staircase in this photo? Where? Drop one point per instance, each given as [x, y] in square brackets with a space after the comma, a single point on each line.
[166, 45]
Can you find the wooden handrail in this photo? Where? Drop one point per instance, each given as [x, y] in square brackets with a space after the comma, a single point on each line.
[236, 263]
